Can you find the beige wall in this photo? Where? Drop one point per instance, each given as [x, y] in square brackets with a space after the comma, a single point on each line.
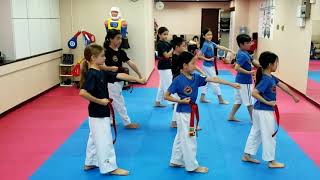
[315, 10]
[26, 79]
[241, 19]
[253, 16]
[184, 17]
[291, 45]
[316, 30]
[90, 15]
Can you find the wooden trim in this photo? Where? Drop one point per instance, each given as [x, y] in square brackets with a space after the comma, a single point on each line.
[20, 65]
[25, 58]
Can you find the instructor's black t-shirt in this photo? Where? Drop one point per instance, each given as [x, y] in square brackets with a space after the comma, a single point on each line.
[96, 84]
[115, 58]
[163, 47]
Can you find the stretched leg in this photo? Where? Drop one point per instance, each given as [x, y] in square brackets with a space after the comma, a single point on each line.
[204, 90]
[188, 143]
[102, 138]
[253, 141]
[176, 155]
[234, 110]
[115, 92]
[160, 92]
[210, 72]
[236, 106]
[267, 122]
[91, 161]
[167, 80]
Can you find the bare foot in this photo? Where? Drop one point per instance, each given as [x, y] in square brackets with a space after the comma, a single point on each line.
[233, 119]
[158, 104]
[201, 170]
[87, 168]
[120, 172]
[275, 164]
[224, 102]
[248, 158]
[173, 124]
[176, 165]
[203, 100]
[132, 126]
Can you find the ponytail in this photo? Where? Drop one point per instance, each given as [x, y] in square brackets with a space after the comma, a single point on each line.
[265, 59]
[258, 76]
[89, 51]
[84, 70]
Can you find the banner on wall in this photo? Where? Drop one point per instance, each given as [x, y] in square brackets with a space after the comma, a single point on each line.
[266, 19]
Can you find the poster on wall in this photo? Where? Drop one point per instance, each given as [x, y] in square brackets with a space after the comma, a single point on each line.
[266, 19]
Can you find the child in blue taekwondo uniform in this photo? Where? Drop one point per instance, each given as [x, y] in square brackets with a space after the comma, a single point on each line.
[207, 55]
[244, 76]
[263, 128]
[100, 152]
[179, 46]
[186, 86]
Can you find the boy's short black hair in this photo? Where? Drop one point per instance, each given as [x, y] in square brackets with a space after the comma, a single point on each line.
[243, 38]
[177, 42]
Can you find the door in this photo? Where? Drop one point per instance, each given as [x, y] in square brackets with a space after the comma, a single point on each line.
[210, 19]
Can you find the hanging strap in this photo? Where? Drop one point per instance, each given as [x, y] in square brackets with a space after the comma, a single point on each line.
[216, 65]
[277, 115]
[194, 112]
[113, 120]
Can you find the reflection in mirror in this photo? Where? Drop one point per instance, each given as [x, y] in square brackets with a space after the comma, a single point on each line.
[313, 89]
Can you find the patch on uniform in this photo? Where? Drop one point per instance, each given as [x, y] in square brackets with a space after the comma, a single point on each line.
[204, 76]
[274, 89]
[115, 58]
[187, 90]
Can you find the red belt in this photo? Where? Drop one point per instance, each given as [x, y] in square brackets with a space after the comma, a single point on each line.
[113, 120]
[277, 114]
[194, 112]
[216, 65]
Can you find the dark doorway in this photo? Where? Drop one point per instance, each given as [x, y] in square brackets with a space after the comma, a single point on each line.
[210, 19]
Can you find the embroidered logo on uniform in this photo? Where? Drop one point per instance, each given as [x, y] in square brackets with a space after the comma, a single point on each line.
[204, 76]
[187, 90]
[115, 58]
[274, 89]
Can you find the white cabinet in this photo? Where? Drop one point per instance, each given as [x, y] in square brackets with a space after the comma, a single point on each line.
[21, 38]
[33, 27]
[38, 8]
[54, 9]
[39, 37]
[19, 9]
[54, 34]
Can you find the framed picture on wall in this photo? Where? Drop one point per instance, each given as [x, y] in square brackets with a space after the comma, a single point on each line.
[225, 24]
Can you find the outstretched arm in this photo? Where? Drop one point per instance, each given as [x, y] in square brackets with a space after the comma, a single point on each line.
[134, 67]
[222, 81]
